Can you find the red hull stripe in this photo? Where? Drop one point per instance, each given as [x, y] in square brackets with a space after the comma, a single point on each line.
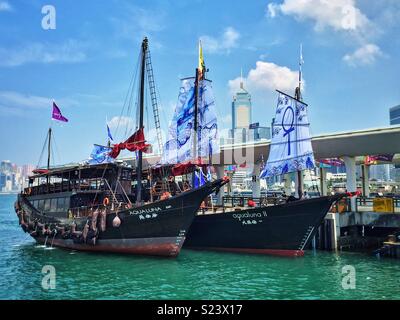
[166, 248]
[275, 252]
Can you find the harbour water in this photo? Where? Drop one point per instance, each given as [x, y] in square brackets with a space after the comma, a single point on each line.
[193, 275]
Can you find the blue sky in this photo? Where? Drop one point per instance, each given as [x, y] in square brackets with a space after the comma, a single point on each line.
[350, 48]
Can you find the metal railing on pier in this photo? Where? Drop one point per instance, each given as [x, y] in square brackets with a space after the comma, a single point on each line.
[375, 204]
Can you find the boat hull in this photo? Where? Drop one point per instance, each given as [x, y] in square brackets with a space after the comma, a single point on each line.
[283, 230]
[157, 246]
[157, 229]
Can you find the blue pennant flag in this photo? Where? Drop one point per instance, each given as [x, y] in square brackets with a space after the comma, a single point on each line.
[209, 175]
[196, 180]
[199, 178]
[100, 154]
[109, 133]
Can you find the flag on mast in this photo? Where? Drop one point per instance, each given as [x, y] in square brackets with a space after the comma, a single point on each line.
[201, 66]
[109, 133]
[57, 115]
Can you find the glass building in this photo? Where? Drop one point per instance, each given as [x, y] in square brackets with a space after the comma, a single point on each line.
[394, 114]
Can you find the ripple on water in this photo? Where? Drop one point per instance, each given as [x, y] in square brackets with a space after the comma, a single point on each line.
[193, 275]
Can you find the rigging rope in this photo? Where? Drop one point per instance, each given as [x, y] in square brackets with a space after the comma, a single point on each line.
[131, 85]
[43, 150]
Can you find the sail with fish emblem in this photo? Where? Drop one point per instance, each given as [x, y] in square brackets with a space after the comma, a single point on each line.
[181, 133]
[291, 148]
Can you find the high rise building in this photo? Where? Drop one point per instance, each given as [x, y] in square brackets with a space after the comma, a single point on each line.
[243, 130]
[394, 114]
[6, 166]
[241, 115]
[241, 108]
[27, 170]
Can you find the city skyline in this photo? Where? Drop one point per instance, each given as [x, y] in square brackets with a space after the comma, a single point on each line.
[86, 63]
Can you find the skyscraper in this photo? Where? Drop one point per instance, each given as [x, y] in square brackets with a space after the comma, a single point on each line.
[394, 113]
[241, 113]
[243, 130]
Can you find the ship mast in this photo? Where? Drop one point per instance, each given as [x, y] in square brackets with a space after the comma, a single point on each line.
[196, 111]
[48, 159]
[49, 149]
[141, 109]
[299, 97]
[199, 75]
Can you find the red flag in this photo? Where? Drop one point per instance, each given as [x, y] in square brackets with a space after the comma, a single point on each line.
[135, 142]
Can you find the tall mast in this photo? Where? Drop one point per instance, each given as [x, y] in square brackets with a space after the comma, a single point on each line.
[301, 61]
[200, 75]
[48, 159]
[196, 111]
[299, 97]
[141, 109]
[49, 149]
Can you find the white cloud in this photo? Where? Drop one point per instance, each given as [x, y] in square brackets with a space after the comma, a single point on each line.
[70, 51]
[341, 15]
[267, 76]
[13, 99]
[364, 55]
[223, 44]
[16, 103]
[5, 6]
[271, 9]
[121, 122]
[135, 23]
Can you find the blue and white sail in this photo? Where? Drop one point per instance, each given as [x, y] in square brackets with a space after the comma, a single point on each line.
[291, 148]
[100, 154]
[179, 146]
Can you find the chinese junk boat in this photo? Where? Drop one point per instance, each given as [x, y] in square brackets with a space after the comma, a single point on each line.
[283, 229]
[100, 206]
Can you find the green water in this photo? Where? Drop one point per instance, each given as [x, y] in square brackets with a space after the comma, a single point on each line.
[193, 275]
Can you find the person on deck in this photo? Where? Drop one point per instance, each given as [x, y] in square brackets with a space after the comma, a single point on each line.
[156, 188]
[186, 185]
[172, 186]
[306, 195]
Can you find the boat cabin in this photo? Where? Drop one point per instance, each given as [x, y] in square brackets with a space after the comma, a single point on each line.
[73, 190]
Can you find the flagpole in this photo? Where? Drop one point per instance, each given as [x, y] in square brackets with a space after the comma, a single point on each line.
[49, 155]
[141, 110]
[299, 98]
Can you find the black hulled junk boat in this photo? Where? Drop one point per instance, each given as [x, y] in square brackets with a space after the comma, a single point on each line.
[285, 228]
[103, 205]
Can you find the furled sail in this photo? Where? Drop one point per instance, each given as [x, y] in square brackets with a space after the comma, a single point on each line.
[135, 142]
[179, 146]
[291, 148]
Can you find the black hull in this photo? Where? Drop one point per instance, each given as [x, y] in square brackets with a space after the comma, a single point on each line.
[280, 230]
[158, 228]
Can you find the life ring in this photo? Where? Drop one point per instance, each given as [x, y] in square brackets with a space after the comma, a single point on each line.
[106, 201]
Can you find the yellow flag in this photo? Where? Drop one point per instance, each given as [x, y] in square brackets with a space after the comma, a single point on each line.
[201, 61]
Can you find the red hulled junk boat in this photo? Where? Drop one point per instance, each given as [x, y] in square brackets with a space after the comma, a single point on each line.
[104, 205]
